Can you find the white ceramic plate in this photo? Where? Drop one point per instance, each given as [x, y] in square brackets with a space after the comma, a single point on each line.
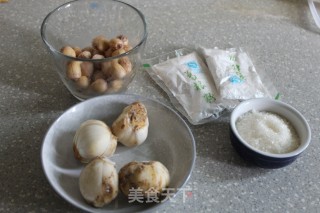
[169, 141]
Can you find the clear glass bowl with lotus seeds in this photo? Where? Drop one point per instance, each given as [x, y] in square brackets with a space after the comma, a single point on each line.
[96, 45]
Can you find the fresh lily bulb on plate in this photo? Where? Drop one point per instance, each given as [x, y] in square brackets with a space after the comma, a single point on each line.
[131, 127]
[98, 182]
[146, 175]
[93, 139]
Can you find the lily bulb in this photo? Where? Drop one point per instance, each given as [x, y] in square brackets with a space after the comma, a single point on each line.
[93, 139]
[147, 175]
[131, 127]
[98, 182]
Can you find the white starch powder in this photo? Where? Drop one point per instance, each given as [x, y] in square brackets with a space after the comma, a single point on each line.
[234, 74]
[267, 132]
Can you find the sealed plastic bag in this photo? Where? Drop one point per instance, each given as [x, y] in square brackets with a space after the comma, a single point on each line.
[187, 81]
[235, 75]
[192, 87]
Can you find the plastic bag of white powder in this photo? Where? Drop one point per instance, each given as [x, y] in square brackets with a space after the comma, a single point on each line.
[200, 93]
[234, 74]
[186, 78]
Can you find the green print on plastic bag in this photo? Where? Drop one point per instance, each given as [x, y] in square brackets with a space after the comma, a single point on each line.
[209, 97]
[236, 68]
[190, 75]
[198, 85]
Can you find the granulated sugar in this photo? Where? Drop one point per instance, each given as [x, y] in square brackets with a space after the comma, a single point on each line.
[267, 132]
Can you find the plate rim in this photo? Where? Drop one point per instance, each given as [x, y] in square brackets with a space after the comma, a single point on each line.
[138, 97]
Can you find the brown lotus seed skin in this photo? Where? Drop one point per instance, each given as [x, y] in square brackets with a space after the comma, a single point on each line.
[83, 82]
[97, 65]
[124, 39]
[85, 54]
[97, 56]
[115, 44]
[90, 49]
[115, 85]
[77, 50]
[74, 70]
[108, 53]
[99, 86]
[100, 43]
[99, 76]
[118, 52]
[69, 51]
[117, 71]
[127, 48]
[126, 64]
[87, 69]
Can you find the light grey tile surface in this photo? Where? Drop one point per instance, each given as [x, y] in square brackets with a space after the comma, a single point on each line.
[281, 38]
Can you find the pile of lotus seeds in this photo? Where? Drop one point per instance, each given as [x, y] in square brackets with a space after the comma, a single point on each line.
[99, 77]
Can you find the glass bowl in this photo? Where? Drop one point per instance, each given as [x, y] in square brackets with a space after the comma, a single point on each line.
[75, 24]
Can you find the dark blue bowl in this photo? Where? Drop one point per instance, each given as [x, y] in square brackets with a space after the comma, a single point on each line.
[259, 159]
[264, 159]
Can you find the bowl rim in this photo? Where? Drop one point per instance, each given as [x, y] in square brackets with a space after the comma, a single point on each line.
[285, 106]
[130, 52]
